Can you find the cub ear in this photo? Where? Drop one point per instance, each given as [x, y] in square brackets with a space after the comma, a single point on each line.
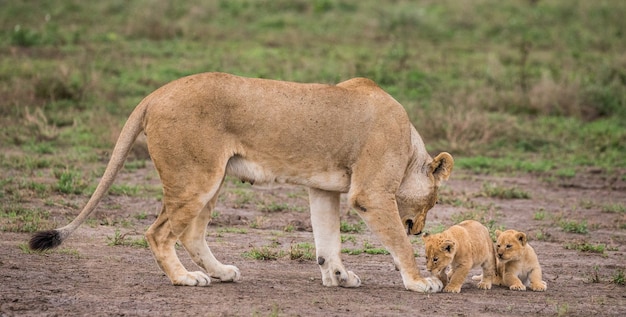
[441, 167]
[521, 237]
[448, 246]
[498, 233]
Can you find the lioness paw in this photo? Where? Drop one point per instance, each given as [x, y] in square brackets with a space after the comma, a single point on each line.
[426, 285]
[229, 273]
[352, 280]
[193, 279]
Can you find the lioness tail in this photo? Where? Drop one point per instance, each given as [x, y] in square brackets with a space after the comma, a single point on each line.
[44, 240]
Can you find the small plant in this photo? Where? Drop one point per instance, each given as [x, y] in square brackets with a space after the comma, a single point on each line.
[69, 182]
[274, 206]
[19, 219]
[496, 191]
[302, 252]
[232, 230]
[348, 238]
[264, 253]
[351, 228]
[367, 248]
[119, 239]
[574, 226]
[595, 276]
[618, 277]
[124, 190]
[540, 214]
[614, 208]
[586, 247]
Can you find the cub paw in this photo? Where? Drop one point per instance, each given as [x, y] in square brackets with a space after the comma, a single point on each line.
[193, 279]
[517, 287]
[426, 285]
[229, 273]
[539, 287]
[449, 289]
[484, 285]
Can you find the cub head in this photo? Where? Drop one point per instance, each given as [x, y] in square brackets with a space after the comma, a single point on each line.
[418, 192]
[440, 252]
[510, 245]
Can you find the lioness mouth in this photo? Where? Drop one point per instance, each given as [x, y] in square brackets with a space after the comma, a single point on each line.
[409, 226]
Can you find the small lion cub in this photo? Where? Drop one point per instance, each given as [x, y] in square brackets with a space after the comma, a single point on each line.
[461, 247]
[517, 262]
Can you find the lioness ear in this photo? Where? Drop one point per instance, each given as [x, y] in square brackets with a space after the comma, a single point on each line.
[448, 246]
[521, 237]
[441, 167]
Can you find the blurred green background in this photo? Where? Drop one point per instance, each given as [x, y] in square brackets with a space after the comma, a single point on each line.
[519, 86]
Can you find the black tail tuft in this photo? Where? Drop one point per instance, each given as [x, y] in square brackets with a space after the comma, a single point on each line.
[44, 240]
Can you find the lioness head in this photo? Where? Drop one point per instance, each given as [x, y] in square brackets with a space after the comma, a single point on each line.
[418, 191]
[439, 252]
[509, 245]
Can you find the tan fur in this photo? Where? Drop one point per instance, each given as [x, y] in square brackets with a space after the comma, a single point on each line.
[347, 138]
[461, 248]
[518, 264]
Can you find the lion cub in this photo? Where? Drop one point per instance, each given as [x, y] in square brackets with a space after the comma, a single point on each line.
[461, 247]
[517, 262]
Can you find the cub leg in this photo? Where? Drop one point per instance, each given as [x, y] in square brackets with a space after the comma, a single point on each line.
[325, 221]
[382, 217]
[457, 277]
[194, 241]
[536, 283]
[512, 281]
[489, 273]
[162, 241]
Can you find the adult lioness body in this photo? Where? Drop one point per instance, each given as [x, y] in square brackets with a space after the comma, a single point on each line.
[350, 138]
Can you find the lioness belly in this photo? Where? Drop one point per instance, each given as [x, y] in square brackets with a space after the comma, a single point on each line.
[257, 172]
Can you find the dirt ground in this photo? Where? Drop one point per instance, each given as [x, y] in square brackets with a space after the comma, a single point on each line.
[89, 276]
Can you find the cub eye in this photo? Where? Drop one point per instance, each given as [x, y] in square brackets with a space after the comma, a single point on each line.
[508, 246]
[497, 245]
[435, 259]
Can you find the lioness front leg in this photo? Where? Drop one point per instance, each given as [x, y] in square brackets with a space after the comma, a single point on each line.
[325, 221]
[386, 224]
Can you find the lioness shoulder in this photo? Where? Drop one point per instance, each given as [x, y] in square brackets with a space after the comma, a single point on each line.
[461, 247]
[518, 265]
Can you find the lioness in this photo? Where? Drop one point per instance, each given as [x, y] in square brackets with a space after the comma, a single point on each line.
[461, 248]
[350, 138]
[518, 264]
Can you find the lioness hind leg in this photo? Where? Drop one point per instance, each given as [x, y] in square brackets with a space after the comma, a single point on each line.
[162, 242]
[325, 222]
[194, 241]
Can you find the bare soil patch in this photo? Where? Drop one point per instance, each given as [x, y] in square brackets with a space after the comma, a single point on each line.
[89, 276]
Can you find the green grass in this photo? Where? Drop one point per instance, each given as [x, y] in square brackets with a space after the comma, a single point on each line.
[497, 191]
[16, 218]
[486, 81]
[574, 226]
[121, 239]
[586, 247]
[347, 227]
[264, 253]
[303, 251]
